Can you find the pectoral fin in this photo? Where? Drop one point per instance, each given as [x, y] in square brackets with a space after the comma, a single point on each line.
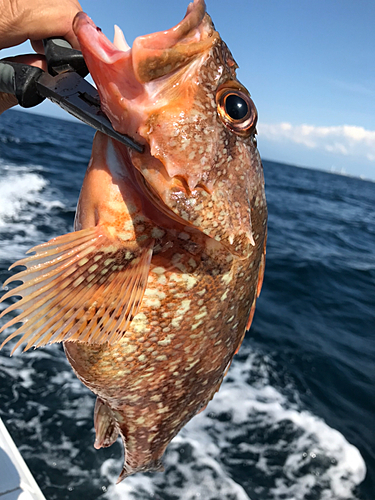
[83, 287]
[262, 266]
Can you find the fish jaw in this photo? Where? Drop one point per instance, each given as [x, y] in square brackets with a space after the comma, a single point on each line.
[165, 93]
[113, 74]
[161, 53]
[122, 75]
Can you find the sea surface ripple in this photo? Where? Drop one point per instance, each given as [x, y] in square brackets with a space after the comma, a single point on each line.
[294, 419]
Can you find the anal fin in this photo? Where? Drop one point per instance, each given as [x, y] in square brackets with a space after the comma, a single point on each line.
[84, 286]
[105, 425]
[262, 266]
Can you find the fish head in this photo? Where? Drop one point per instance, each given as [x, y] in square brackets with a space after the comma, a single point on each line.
[177, 93]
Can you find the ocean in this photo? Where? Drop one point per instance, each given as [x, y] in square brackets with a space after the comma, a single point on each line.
[294, 419]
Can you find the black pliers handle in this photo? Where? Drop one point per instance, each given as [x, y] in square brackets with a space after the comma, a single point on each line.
[63, 84]
[20, 79]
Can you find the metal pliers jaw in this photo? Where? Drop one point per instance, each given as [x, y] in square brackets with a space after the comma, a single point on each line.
[64, 84]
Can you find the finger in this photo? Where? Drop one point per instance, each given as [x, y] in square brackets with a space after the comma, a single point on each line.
[7, 101]
[37, 19]
[36, 60]
[71, 37]
[54, 20]
[37, 45]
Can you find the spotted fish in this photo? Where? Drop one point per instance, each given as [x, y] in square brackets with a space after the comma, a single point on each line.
[153, 292]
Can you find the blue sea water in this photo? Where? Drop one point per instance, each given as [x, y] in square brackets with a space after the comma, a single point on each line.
[294, 419]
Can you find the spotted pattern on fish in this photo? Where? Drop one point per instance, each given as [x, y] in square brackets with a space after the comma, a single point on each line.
[154, 291]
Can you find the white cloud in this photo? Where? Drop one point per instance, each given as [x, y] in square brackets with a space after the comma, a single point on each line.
[347, 140]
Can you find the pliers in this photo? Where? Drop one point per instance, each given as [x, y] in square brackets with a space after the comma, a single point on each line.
[63, 84]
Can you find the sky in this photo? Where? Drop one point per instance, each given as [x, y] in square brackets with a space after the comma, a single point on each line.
[309, 66]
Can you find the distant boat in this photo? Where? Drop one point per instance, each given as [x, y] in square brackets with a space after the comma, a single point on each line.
[16, 480]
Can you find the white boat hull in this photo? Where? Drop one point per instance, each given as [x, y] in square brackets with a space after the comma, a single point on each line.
[16, 480]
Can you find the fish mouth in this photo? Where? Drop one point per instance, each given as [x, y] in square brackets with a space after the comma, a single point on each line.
[149, 92]
[140, 85]
[125, 75]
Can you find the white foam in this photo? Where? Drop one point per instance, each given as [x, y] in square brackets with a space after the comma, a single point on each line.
[16, 191]
[317, 456]
[24, 197]
[201, 460]
[197, 461]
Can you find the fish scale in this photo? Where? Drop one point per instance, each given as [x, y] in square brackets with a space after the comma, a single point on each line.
[154, 291]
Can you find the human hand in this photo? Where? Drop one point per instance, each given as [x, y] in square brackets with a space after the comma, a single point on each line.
[37, 19]
[21, 20]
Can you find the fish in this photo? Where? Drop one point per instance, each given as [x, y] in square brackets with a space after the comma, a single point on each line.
[153, 292]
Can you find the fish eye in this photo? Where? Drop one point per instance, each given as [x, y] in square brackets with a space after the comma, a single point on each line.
[236, 110]
[236, 107]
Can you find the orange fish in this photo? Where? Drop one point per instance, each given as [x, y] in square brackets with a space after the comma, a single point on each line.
[153, 292]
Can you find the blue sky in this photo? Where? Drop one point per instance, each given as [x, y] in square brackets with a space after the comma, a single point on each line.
[309, 66]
